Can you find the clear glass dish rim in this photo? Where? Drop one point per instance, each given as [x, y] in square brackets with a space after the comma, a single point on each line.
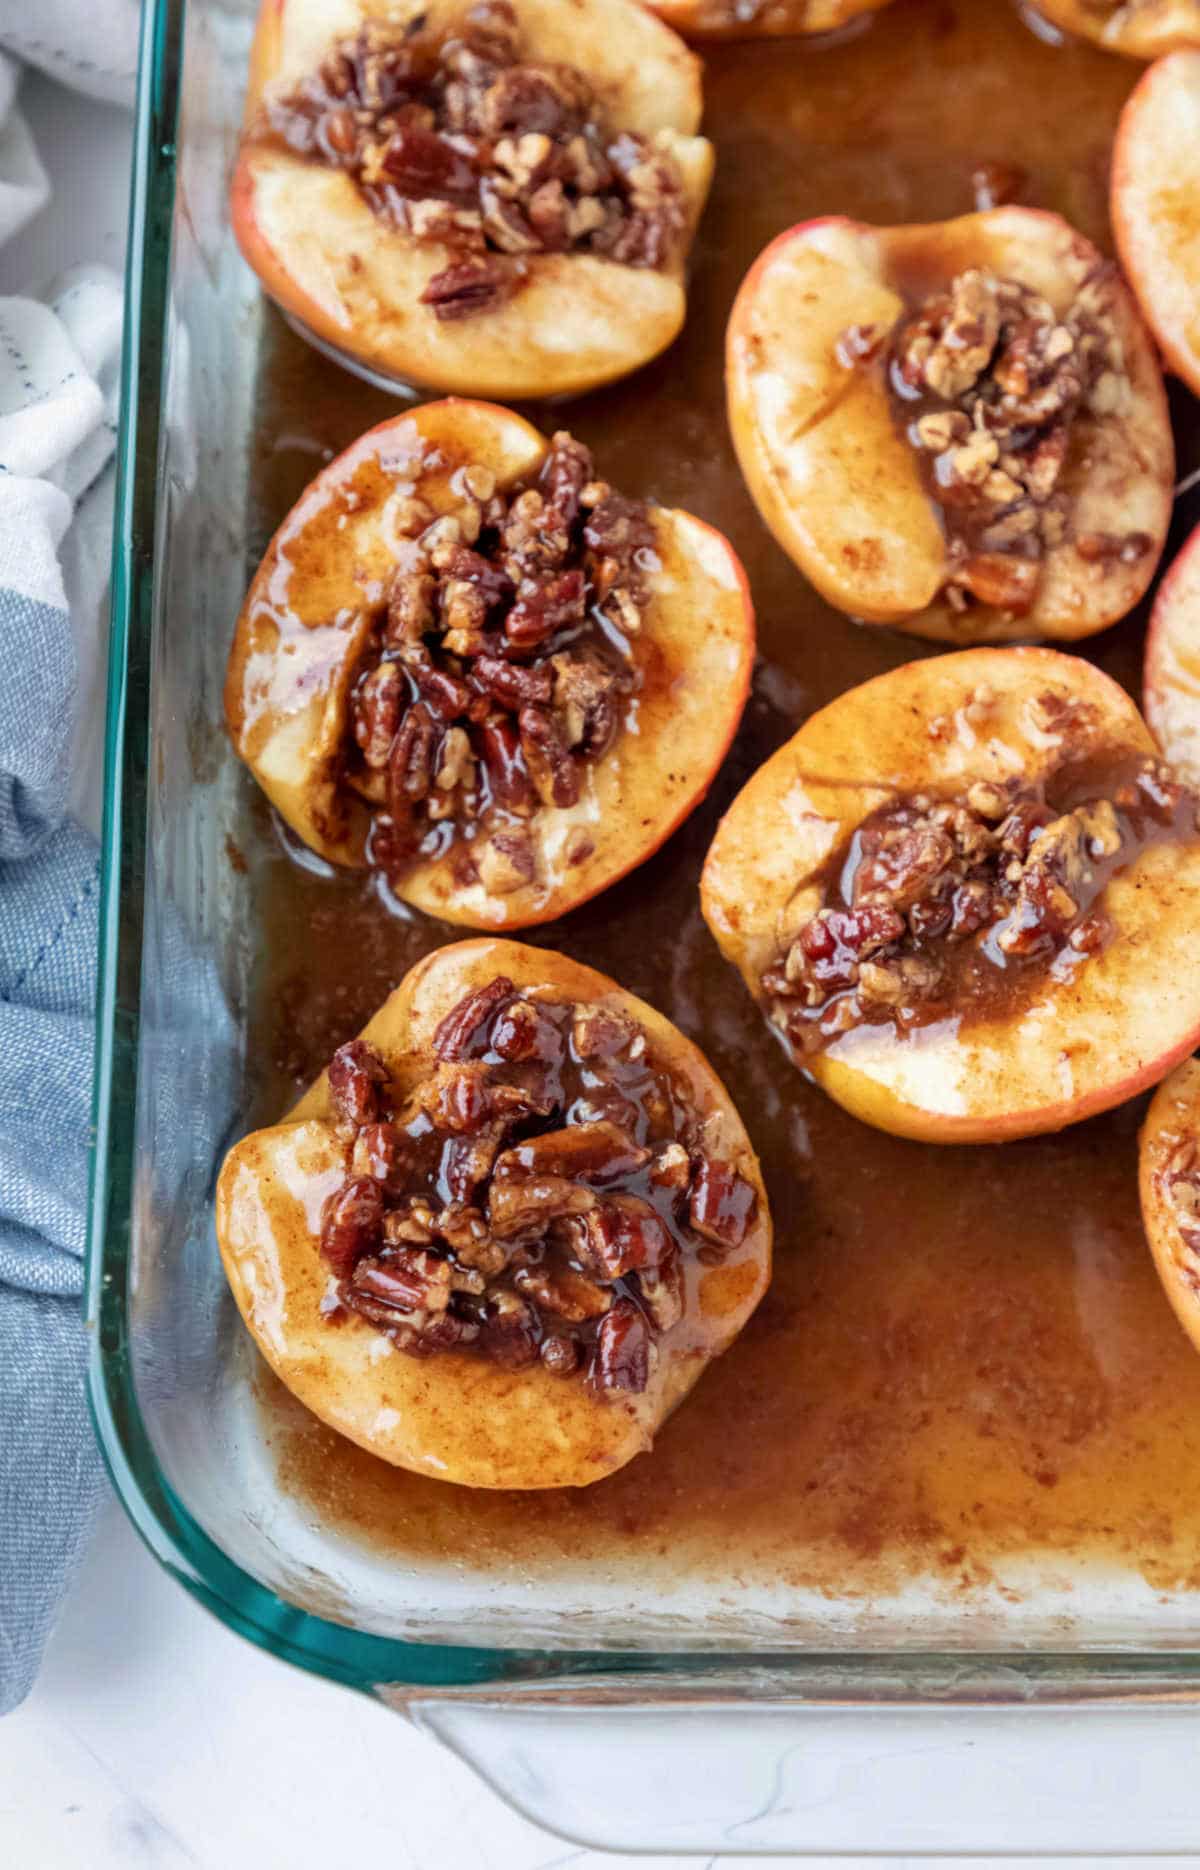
[340, 1653]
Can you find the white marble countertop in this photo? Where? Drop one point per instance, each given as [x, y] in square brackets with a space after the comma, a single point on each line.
[154, 1736]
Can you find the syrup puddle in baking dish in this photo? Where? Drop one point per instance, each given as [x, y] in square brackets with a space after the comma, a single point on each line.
[965, 1363]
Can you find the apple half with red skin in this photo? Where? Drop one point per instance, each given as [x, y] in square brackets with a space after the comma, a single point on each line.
[1155, 204]
[766, 19]
[354, 281]
[1171, 676]
[1004, 1047]
[316, 606]
[1169, 1184]
[827, 454]
[1134, 28]
[486, 1404]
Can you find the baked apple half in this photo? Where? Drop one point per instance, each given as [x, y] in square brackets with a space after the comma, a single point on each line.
[496, 200]
[1171, 680]
[1169, 1181]
[503, 1233]
[762, 19]
[1156, 205]
[1136, 28]
[469, 664]
[967, 897]
[958, 429]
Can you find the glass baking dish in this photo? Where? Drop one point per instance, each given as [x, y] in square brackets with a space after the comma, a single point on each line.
[799, 1723]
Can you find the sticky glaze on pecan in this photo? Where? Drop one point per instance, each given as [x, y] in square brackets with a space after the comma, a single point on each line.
[961, 906]
[986, 382]
[501, 663]
[468, 143]
[539, 1195]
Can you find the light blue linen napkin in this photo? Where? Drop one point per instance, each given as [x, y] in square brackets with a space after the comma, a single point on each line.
[57, 386]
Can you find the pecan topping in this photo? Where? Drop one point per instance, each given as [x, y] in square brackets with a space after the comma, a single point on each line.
[502, 1211]
[959, 905]
[470, 145]
[987, 383]
[494, 673]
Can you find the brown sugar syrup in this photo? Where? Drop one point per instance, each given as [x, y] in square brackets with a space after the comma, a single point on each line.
[965, 1358]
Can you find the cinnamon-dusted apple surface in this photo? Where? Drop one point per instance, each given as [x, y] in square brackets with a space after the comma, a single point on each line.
[1135, 28]
[501, 1236]
[1171, 678]
[1169, 1180]
[967, 897]
[496, 200]
[469, 663]
[762, 19]
[957, 429]
[1156, 205]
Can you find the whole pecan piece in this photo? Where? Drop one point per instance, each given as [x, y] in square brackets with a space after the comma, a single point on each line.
[410, 1279]
[625, 1234]
[544, 606]
[352, 1224]
[356, 1076]
[621, 1357]
[504, 764]
[378, 705]
[459, 1034]
[721, 1203]
[511, 684]
[468, 288]
[414, 759]
[586, 1152]
[422, 164]
[548, 758]
[381, 1152]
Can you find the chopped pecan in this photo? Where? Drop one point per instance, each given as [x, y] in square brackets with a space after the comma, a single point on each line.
[662, 1293]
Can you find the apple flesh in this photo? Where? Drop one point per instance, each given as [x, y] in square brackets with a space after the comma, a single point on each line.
[840, 486]
[1156, 205]
[1078, 1043]
[1169, 1184]
[1135, 28]
[355, 284]
[454, 1414]
[1171, 678]
[770, 19]
[302, 632]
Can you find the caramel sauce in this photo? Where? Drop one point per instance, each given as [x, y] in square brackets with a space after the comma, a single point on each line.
[965, 1357]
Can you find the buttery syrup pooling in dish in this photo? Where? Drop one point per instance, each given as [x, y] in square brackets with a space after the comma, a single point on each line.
[965, 1356]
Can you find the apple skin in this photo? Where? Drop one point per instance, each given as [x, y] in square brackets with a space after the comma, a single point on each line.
[840, 488]
[1078, 1047]
[354, 284]
[456, 1416]
[1145, 30]
[1155, 203]
[773, 19]
[1171, 675]
[1172, 1124]
[287, 712]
